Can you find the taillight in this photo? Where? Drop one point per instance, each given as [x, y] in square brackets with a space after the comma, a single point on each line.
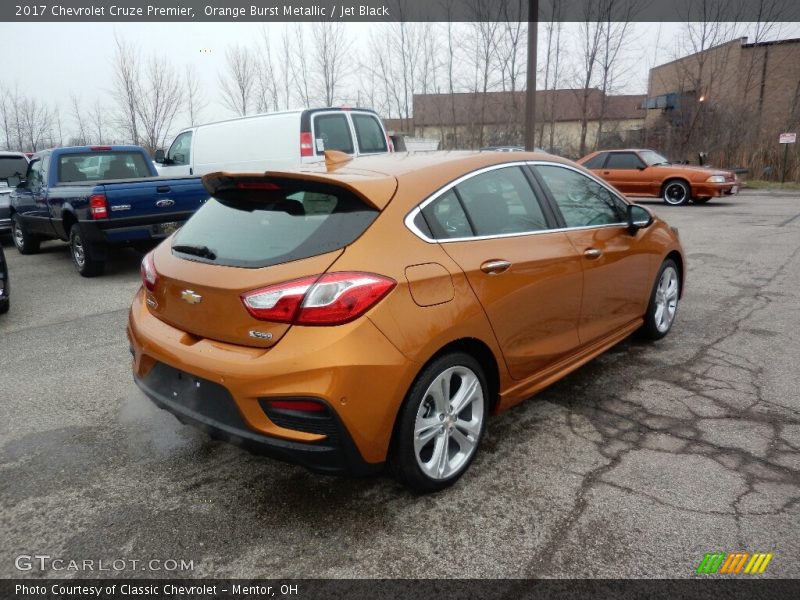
[149, 273]
[306, 144]
[389, 143]
[330, 299]
[98, 207]
[100, 148]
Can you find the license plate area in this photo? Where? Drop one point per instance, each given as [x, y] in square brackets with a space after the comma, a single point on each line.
[165, 229]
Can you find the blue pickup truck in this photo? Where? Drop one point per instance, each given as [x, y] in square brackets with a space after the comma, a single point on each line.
[96, 196]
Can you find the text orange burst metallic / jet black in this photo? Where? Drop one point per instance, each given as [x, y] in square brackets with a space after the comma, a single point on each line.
[377, 310]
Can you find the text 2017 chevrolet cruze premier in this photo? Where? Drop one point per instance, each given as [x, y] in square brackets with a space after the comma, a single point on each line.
[376, 311]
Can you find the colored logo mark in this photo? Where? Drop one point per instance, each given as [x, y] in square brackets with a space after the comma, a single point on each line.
[734, 563]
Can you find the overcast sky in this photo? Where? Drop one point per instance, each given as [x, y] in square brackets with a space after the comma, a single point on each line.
[52, 60]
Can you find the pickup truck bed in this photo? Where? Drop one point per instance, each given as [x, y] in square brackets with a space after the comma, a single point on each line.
[58, 200]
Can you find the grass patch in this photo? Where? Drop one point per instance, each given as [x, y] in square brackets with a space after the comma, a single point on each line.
[760, 184]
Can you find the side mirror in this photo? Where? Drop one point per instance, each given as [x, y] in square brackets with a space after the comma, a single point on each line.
[638, 218]
[643, 167]
[159, 156]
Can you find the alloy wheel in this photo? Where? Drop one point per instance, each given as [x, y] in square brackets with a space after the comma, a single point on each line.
[666, 299]
[449, 422]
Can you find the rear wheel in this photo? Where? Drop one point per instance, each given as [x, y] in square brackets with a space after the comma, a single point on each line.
[83, 256]
[440, 424]
[663, 304]
[5, 304]
[676, 192]
[26, 242]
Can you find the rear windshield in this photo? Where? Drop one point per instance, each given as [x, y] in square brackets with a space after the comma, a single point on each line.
[259, 228]
[11, 166]
[91, 166]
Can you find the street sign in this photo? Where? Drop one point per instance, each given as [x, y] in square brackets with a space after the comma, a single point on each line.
[787, 138]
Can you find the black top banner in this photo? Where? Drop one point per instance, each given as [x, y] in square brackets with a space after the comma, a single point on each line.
[277, 11]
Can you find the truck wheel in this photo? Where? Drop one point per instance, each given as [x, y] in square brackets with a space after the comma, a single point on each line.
[25, 242]
[82, 255]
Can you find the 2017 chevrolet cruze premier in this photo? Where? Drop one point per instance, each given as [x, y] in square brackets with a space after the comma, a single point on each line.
[376, 311]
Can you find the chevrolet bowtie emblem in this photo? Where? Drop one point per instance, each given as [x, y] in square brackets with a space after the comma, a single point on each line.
[191, 297]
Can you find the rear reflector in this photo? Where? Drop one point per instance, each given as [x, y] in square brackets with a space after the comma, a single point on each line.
[98, 207]
[301, 405]
[306, 144]
[330, 299]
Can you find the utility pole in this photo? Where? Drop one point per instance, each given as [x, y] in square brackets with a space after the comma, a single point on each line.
[530, 93]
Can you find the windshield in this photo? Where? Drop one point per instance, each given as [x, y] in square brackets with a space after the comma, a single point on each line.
[13, 165]
[653, 158]
[289, 220]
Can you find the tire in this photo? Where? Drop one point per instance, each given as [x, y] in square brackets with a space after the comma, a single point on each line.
[676, 192]
[5, 304]
[701, 200]
[663, 305]
[414, 462]
[87, 264]
[25, 242]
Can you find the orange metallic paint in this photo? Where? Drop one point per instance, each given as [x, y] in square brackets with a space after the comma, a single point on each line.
[530, 319]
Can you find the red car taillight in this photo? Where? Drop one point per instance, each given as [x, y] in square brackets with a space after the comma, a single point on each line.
[149, 273]
[306, 144]
[98, 207]
[330, 299]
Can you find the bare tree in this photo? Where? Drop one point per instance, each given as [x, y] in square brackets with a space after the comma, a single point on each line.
[36, 123]
[194, 100]
[238, 82]
[127, 89]
[81, 136]
[299, 67]
[590, 37]
[266, 89]
[97, 124]
[159, 103]
[330, 57]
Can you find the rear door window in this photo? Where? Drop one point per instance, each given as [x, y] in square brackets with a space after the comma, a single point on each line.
[332, 132]
[262, 227]
[446, 218]
[369, 133]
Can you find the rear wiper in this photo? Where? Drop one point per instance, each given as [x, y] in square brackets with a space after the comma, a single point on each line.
[201, 251]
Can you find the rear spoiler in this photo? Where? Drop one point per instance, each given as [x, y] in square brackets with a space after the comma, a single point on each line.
[374, 189]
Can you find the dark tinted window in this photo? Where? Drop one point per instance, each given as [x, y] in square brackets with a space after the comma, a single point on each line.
[446, 217]
[91, 166]
[501, 201]
[297, 220]
[596, 162]
[582, 201]
[13, 165]
[331, 132]
[623, 160]
[369, 133]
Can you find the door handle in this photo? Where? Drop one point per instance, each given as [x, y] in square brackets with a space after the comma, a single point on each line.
[592, 253]
[495, 267]
[162, 189]
[606, 173]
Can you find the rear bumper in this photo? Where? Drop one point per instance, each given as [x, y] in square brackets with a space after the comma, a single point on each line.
[210, 407]
[352, 369]
[132, 229]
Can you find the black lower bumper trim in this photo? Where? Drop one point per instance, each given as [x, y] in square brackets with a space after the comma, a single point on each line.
[210, 407]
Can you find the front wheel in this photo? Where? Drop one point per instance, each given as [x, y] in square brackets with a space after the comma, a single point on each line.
[676, 192]
[25, 242]
[83, 257]
[663, 304]
[440, 424]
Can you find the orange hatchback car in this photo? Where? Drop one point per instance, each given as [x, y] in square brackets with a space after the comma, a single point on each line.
[377, 310]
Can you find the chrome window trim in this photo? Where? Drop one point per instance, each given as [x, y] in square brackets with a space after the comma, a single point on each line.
[409, 219]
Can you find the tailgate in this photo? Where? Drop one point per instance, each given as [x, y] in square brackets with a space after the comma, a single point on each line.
[151, 197]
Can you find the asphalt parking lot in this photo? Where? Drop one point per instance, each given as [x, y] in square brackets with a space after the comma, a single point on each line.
[634, 466]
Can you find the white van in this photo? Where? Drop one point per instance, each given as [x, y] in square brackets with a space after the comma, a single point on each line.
[274, 141]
